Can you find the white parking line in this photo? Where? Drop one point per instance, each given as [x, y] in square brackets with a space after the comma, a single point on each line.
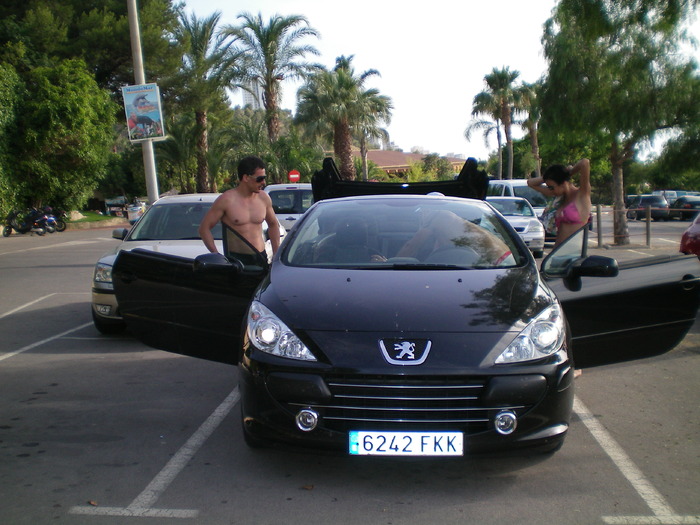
[43, 341]
[663, 513]
[59, 245]
[26, 305]
[143, 504]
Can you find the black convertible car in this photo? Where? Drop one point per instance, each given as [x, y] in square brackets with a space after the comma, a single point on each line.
[407, 325]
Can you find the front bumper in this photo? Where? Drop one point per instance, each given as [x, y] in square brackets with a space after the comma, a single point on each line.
[104, 305]
[541, 396]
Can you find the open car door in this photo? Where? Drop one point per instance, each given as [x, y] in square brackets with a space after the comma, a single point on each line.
[646, 309]
[191, 307]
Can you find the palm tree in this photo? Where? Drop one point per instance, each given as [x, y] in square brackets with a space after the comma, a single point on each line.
[375, 109]
[488, 127]
[333, 104]
[500, 95]
[210, 65]
[273, 53]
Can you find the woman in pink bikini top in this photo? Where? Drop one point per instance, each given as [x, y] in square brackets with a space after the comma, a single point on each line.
[575, 202]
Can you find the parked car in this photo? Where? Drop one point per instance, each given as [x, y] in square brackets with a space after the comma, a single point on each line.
[169, 226]
[657, 203]
[517, 188]
[290, 201]
[519, 213]
[684, 208]
[407, 325]
[690, 240]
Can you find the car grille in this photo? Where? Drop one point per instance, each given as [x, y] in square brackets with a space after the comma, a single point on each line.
[408, 403]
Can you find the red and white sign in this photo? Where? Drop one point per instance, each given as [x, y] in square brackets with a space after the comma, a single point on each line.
[294, 176]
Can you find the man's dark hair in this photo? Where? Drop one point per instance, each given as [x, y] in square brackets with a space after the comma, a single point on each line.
[248, 165]
[558, 173]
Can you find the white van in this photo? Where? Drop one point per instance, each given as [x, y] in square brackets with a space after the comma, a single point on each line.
[517, 188]
[290, 201]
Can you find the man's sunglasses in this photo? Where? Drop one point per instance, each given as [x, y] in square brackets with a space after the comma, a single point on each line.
[259, 178]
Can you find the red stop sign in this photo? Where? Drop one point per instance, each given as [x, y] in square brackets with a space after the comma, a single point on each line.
[294, 176]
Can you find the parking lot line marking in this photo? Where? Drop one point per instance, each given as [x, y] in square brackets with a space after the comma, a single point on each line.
[26, 305]
[43, 341]
[142, 505]
[663, 513]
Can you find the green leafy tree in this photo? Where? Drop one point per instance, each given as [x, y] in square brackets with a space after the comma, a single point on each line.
[65, 135]
[210, 65]
[487, 127]
[614, 70]
[10, 96]
[531, 106]
[273, 52]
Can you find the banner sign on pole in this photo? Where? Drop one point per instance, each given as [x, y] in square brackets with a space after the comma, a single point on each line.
[144, 117]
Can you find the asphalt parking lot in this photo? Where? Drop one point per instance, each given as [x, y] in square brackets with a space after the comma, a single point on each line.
[97, 429]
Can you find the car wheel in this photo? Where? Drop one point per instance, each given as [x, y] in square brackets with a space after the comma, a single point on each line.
[7, 231]
[538, 254]
[107, 326]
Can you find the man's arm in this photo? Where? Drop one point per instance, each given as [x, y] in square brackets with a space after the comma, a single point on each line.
[211, 219]
[273, 225]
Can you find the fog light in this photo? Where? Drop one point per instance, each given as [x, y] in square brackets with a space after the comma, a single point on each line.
[505, 422]
[307, 420]
[103, 309]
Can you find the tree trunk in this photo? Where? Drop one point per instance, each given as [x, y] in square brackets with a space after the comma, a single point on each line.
[363, 154]
[535, 148]
[499, 142]
[620, 230]
[342, 146]
[202, 149]
[273, 121]
[509, 140]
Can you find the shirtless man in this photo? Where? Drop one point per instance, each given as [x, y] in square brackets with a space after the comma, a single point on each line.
[243, 209]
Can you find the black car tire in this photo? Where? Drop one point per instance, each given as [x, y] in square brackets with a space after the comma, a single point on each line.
[7, 231]
[538, 254]
[107, 326]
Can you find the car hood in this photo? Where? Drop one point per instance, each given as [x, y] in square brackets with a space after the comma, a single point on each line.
[187, 248]
[520, 222]
[392, 301]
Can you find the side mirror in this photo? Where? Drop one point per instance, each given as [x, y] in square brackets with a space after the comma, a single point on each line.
[119, 233]
[592, 266]
[210, 263]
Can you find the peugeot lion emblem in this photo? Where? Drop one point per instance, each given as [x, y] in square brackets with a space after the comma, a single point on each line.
[405, 352]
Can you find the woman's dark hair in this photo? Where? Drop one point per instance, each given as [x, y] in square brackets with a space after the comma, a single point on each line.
[558, 173]
[248, 165]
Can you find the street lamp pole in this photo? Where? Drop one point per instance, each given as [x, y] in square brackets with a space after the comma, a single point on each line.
[149, 163]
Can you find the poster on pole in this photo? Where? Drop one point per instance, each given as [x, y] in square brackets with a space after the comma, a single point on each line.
[144, 117]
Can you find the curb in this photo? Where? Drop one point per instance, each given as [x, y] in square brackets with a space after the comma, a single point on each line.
[109, 223]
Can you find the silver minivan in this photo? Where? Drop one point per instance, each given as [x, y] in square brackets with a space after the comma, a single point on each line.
[290, 201]
[517, 188]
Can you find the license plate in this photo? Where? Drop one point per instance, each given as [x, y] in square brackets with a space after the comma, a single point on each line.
[363, 443]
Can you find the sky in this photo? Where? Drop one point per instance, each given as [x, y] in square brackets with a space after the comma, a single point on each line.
[431, 56]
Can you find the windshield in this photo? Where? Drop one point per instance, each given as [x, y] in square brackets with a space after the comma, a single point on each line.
[533, 196]
[292, 200]
[403, 233]
[512, 207]
[172, 221]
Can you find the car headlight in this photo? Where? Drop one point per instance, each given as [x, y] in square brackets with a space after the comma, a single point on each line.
[536, 226]
[269, 334]
[103, 274]
[544, 336]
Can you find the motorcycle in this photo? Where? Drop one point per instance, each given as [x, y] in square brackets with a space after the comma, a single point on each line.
[61, 217]
[47, 220]
[29, 224]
